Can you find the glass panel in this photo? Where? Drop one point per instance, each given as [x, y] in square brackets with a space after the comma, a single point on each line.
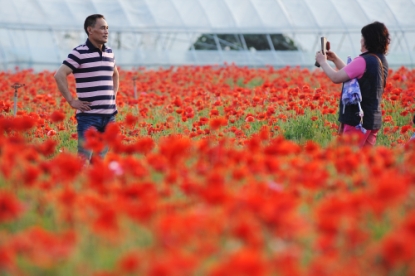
[21, 12]
[8, 12]
[325, 14]
[350, 14]
[378, 10]
[272, 15]
[219, 14]
[404, 11]
[52, 12]
[283, 42]
[165, 13]
[300, 15]
[139, 12]
[43, 48]
[205, 42]
[254, 42]
[192, 14]
[245, 14]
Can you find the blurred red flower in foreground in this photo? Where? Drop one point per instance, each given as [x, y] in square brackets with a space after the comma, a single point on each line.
[57, 116]
[10, 207]
[43, 248]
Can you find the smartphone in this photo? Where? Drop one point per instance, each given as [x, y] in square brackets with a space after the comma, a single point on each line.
[325, 45]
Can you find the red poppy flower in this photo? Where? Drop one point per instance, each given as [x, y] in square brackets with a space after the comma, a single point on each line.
[130, 119]
[51, 133]
[129, 263]
[94, 140]
[111, 133]
[7, 260]
[174, 148]
[30, 175]
[397, 250]
[57, 116]
[47, 148]
[21, 123]
[244, 261]
[405, 129]
[106, 222]
[249, 119]
[10, 207]
[217, 122]
[144, 145]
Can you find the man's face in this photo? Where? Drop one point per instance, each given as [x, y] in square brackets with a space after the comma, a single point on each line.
[99, 33]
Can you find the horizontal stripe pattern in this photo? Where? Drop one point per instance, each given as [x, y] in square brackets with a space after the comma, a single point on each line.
[83, 75]
[93, 71]
[97, 93]
[102, 112]
[94, 89]
[93, 82]
[94, 99]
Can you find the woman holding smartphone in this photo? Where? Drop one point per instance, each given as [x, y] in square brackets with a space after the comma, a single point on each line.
[371, 70]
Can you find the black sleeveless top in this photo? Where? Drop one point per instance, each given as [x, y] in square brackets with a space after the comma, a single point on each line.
[371, 87]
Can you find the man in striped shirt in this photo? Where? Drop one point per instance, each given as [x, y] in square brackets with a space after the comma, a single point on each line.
[97, 81]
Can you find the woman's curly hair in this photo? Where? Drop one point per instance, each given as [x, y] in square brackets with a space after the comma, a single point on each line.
[376, 37]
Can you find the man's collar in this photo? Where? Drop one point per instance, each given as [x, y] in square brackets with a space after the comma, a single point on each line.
[92, 46]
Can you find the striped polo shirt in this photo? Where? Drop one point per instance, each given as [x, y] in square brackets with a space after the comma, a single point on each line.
[93, 71]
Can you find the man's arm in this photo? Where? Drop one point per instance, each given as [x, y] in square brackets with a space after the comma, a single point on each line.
[116, 80]
[61, 80]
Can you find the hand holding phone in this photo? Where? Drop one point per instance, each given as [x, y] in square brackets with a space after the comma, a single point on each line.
[325, 46]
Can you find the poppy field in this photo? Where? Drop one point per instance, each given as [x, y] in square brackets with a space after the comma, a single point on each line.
[210, 171]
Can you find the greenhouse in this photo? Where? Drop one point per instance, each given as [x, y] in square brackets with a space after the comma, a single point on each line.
[39, 34]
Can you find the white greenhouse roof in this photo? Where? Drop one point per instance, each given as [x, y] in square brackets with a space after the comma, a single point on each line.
[210, 15]
[36, 32]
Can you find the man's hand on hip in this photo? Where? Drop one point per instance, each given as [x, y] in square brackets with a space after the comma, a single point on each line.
[80, 105]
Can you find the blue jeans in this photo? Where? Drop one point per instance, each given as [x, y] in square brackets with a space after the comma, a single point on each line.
[87, 121]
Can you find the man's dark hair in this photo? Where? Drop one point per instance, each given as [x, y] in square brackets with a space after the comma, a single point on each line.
[91, 20]
[376, 37]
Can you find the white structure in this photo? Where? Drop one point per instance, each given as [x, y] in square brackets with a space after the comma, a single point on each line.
[40, 33]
